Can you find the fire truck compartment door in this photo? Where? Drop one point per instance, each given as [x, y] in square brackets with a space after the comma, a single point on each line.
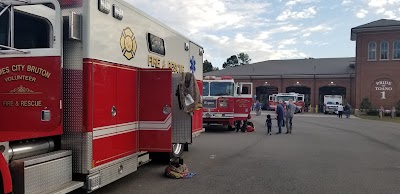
[245, 89]
[155, 112]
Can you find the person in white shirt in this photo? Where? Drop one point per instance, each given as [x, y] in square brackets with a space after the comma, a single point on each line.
[340, 110]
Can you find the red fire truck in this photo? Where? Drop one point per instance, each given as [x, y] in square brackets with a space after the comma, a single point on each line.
[297, 98]
[89, 90]
[225, 101]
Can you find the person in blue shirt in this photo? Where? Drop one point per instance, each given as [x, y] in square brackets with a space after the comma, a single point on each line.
[279, 116]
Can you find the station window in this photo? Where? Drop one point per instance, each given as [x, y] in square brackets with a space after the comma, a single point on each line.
[371, 51]
[384, 50]
[396, 49]
[29, 31]
[156, 44]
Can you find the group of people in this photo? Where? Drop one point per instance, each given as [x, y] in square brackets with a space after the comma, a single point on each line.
[344, 109]
[284, 116]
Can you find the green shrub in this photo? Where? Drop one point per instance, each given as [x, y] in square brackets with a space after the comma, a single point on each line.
[365, 105]
[372, 112]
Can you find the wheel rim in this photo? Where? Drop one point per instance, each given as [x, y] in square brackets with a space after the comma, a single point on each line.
[177, 148]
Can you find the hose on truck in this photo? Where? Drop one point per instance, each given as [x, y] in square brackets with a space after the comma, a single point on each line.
[178, 171]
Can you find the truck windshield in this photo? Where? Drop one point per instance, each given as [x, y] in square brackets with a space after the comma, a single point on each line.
[29, 31]
[284, 98]
[221, 89]
[206, 88]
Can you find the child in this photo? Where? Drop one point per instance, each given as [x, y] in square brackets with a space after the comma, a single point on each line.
[268, 123]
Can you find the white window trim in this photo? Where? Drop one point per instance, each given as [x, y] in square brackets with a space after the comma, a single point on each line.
[388, 53]
[369, 51]
[395, 49]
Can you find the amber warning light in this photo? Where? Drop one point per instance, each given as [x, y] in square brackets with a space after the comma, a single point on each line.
[71, 3]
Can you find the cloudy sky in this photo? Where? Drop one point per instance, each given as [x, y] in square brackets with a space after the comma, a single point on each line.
[270, 29]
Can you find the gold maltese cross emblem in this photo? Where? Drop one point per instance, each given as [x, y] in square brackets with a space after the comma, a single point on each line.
[128, 43]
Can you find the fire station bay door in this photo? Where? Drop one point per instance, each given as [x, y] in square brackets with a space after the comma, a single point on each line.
[245, 89]
[155, 118]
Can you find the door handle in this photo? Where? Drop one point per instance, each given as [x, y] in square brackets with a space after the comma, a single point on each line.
[166, 110]
[113, 111]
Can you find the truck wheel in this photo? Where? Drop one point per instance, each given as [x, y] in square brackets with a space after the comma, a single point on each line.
[230, 128]
[165, 157]
[177, 150]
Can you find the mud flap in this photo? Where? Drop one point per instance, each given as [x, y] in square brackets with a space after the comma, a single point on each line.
[5, 176]
[155, 113]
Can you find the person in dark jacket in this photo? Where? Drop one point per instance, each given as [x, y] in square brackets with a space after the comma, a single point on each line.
[279, 116]
[268, 123]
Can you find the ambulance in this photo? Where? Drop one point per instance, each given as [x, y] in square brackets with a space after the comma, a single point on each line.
[90, 90]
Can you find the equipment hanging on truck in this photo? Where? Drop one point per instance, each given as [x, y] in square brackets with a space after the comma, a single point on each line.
[88, 93]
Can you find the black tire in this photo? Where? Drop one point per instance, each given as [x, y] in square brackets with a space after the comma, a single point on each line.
[165, 157]
[177, 150]
[1, 184]
[230, 128]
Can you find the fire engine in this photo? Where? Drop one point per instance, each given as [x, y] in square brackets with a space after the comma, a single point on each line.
[298, 100]
[89, 90]
[225, 101]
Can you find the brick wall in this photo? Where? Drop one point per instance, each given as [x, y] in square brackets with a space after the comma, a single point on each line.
[314, 85]
[370, 73]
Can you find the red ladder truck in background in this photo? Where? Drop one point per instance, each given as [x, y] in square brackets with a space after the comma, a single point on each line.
[224, 101]
[88, 92]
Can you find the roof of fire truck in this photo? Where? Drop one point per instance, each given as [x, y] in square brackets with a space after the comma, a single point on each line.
[287, 94]
[218, 78]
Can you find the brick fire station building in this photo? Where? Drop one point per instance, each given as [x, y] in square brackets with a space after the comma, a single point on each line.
[374, 72]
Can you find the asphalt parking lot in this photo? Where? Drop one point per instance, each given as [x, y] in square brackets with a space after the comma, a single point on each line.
[324, 154]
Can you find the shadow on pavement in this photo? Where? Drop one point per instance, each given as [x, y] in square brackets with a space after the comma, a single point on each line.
[216, 129]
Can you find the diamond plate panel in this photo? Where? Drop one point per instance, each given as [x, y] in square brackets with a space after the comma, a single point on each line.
[113, 173]
[81, 145]
[181, 121]
[48, 176]
[74, 138]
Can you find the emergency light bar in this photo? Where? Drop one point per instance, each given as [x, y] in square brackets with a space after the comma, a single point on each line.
[104, 6]
[72, 3]
[118, 13]
[218, 78]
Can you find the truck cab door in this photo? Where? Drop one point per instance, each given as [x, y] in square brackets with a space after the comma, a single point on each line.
[155, 113]
[243, 100]
[271, 98]
[300, 97]
[245, 89]
[30, 69]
